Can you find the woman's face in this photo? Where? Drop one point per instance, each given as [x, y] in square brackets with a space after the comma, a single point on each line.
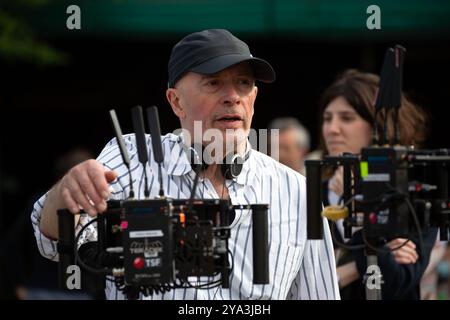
[343, 129]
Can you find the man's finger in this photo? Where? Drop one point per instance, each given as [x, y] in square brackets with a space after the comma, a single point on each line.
[69, 201]
[88, 188]
[110, 176]
[96, 173]
[80, 198]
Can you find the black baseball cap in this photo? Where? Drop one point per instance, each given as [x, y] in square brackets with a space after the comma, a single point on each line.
[213, 50]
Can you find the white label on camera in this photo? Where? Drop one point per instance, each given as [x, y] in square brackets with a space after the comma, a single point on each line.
[377, 177]
[146, 234]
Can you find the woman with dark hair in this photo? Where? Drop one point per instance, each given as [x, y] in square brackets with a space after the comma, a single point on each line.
[347, 118]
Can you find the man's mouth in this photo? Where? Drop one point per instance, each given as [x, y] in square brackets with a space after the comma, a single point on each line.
[230, 118]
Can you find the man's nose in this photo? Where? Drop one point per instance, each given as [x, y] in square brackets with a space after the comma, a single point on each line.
[230, 95]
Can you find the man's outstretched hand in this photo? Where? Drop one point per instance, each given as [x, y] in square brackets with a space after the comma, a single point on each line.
[84, 187]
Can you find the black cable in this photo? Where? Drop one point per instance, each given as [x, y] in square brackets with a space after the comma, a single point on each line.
[380, 249]
[366, 243]
[78, 260]
[405, 197]
[343, 245]
[207, 285]
[415, 219]
[416, 222]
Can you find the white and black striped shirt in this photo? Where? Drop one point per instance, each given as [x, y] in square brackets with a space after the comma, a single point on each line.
[298, 268]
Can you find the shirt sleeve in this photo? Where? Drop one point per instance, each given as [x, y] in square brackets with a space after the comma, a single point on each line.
[317, 278]
[46, 246]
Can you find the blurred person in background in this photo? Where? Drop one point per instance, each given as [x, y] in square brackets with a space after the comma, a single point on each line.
[429, 286]
[294, 142]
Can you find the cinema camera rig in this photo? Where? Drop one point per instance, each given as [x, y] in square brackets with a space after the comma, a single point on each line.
[155, 245]
[390, 190]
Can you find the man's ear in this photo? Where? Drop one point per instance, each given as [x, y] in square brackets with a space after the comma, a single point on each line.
[172, 96]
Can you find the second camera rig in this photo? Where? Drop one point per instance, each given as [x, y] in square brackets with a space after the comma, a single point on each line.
[389, 190]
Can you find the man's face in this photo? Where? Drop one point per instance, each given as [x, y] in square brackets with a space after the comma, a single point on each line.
[221, 101]
[290, 151]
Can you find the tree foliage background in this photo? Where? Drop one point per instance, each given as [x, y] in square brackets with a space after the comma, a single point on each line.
[18, 42]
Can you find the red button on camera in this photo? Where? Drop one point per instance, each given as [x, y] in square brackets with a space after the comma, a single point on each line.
[139, 263]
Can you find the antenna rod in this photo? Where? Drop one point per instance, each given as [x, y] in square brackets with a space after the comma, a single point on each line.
[155, 131]
[383, 96]
[123, 151]
[139, 132]
[399, 59]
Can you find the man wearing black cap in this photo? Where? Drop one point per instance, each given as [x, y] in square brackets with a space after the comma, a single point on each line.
[212, 78]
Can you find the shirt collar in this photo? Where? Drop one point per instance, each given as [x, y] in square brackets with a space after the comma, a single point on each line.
[178, 161]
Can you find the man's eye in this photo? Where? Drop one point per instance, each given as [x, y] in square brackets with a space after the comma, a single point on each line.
[246, 82]
[326, 118]
[212, 83]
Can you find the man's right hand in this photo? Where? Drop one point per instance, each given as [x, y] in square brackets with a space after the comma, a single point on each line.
[85, 187]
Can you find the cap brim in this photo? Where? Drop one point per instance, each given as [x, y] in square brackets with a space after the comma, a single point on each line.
[263, 71]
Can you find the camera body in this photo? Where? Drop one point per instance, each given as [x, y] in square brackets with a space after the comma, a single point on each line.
[389, 191]
[157, 245]
[383, 170]
[163, 241]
